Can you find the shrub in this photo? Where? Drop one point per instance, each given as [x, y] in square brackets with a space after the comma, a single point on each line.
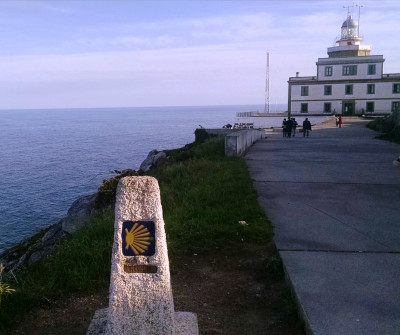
[200, 135]
[108, 190]
[4, 287]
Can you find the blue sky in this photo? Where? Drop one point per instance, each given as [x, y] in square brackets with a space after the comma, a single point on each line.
[129, 53]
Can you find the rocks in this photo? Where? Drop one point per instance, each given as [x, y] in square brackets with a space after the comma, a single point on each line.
[53, 235]
[41, 245]
[29, 251]
[80, 210]
[154, 158]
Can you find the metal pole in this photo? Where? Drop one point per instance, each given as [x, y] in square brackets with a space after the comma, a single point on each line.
[266, 108]
[359, 16]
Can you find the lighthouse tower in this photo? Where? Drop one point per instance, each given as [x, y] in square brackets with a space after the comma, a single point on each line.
[349, 44]
[350, 81]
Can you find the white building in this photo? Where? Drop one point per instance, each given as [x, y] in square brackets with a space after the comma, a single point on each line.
[349, 82]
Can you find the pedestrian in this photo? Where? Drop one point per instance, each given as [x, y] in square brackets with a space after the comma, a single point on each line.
[340, 121]
[337, 121]
[289, 126]
[294, 125]
[284, 123]
[306, 127]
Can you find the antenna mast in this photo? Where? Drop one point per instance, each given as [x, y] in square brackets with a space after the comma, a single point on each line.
[266, 110]
[359, 14]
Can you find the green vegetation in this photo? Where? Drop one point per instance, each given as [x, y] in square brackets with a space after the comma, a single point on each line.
[108, 190]
[81, 264]
[204, 199]
[204, 196]
[4, 287]
[388, 127]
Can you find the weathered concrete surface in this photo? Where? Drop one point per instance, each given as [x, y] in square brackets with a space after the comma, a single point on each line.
[238, 142]
[140, 302]
[334, 200]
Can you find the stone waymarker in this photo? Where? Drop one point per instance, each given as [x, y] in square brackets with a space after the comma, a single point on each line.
[141, 301]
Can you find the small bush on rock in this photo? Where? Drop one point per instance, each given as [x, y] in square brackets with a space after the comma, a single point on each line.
[108, 190]
[4, 288]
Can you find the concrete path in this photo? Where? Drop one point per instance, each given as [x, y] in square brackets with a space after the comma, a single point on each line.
[334, 200]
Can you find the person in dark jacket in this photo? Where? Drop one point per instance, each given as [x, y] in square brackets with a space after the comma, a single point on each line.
[289, 126]
[306, 127]
[294, 125]
[284, 123]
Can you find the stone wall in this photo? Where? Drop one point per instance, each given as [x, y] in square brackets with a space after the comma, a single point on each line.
[237, 143]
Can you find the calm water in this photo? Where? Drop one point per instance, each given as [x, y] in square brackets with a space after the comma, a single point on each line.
[50, 157]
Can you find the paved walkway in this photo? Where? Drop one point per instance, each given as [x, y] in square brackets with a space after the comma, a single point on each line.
[334, 200]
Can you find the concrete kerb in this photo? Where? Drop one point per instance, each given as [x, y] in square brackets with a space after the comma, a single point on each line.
[300, 308]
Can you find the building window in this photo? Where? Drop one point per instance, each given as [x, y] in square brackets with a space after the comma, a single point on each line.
[304, 91]
[349, 70]
[304, 108]
[328, 90]
[348, 89]
[396, 88]
[395, 106]
[327, 107]
[371, 89]
[372, 69]
[370, 107]
[328, 71]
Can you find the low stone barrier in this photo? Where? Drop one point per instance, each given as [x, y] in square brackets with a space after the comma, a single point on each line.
[141, 301]
[237, 143]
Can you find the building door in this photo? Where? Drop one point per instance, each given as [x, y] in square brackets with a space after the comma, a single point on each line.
[348, 108]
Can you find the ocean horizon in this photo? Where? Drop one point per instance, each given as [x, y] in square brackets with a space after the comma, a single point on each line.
[50, 157]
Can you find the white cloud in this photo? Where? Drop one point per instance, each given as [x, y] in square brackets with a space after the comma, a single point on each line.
[212, 60]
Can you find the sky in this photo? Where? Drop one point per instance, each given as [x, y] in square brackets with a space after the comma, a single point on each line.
[133, 53]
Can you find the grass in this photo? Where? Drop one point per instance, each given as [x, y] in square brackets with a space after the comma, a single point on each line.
[204, 196]
[392, 136]
[81, 264]
[388, 127]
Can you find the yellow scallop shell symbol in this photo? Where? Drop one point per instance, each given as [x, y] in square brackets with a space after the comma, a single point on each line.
[138, 239]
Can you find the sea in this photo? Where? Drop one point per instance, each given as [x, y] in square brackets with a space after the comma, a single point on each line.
[49, 158]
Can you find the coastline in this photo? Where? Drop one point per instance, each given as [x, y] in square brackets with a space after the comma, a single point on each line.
[43, 243]
[45, 172]
[216, 260]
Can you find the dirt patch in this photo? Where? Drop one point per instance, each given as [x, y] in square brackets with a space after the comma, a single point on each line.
[62, 317]
[236, 290]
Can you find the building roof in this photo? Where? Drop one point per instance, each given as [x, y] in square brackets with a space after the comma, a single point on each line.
[350, 23]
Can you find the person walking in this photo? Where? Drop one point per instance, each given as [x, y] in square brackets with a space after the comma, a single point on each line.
[294, 125]
[340, 121]
[284, 124]
[306, 127]
[289, 125]
[337, 121]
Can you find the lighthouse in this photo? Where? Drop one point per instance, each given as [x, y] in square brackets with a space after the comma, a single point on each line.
[349, 44]
[350, 81]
